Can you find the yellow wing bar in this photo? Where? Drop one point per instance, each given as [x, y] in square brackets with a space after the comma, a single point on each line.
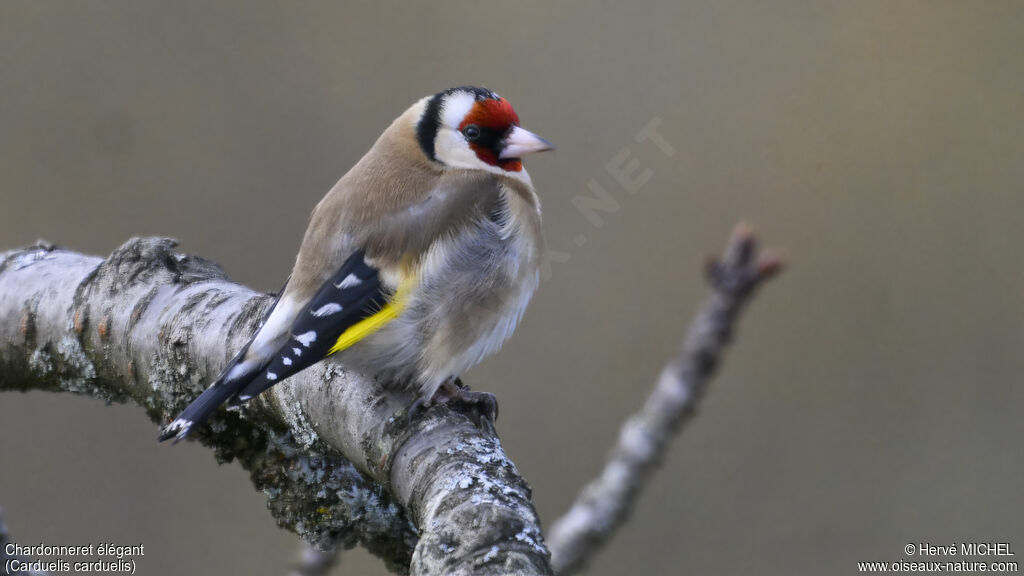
[371, 324]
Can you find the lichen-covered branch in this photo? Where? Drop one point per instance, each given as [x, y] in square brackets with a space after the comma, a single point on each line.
[604, 504]
[333, 450]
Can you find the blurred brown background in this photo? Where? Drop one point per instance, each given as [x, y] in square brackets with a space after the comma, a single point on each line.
[873, 397]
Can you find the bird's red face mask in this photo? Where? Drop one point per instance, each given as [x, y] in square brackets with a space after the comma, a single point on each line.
[492, 129]
[484, 129]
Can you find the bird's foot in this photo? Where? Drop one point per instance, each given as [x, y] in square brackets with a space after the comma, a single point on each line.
[455, 391]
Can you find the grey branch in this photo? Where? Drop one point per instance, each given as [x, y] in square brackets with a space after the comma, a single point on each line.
[604, 504]
[333, 450]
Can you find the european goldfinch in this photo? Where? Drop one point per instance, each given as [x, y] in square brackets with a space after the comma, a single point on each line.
[416, 265]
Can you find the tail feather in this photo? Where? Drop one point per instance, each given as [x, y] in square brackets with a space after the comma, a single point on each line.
[353, 299]
[200, 409]
[236, 375]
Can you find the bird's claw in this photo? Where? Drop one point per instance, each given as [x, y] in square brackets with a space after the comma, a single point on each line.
[455, 391]
[485, 401]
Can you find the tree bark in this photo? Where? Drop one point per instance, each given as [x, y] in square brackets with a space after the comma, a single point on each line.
[334, 450]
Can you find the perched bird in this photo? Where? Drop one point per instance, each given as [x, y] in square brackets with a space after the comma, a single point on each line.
[415, 266]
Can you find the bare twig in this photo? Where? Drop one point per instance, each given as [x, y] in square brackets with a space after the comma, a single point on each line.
[605, 503]
[333, 450]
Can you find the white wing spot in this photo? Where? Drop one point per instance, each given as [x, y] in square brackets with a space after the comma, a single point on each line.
[307, 338]
[271, 376]
[179, 424]
[297, 351]
[286, 361]
[349, 281]
[327, 310]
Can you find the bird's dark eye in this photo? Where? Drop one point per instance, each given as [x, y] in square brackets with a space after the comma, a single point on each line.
[471, 132]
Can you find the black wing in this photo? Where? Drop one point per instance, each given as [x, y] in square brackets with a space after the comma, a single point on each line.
[352, 294]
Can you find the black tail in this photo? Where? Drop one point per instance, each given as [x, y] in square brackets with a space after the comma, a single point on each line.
[207, 403]
[200, 409]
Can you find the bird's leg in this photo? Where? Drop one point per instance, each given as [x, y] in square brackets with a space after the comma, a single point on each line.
[454, 390]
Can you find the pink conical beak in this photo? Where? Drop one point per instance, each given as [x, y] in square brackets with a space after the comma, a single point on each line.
[520, 142]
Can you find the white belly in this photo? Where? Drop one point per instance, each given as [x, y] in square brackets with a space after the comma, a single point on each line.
[471, 293]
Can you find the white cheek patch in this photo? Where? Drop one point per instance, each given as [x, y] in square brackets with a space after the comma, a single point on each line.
[450, 147]
[453, 150]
